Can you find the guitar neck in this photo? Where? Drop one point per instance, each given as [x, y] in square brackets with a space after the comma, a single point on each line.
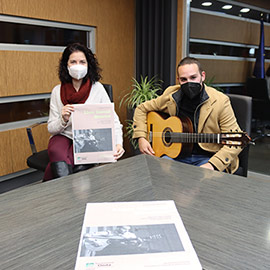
[195, 137]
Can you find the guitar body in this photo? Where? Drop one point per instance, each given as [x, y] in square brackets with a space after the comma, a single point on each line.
[160, 130]
[172, 136]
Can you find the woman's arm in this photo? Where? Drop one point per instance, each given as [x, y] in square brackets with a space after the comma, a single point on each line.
[56, 123]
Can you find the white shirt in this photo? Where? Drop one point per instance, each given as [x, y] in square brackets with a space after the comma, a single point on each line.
[97, 95]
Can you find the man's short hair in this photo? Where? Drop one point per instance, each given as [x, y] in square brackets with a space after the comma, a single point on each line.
[188, 61]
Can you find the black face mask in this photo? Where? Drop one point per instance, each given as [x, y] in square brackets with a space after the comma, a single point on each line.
[191, 89]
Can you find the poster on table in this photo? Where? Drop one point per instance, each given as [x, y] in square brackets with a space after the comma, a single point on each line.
[135, 236]
[93, 133]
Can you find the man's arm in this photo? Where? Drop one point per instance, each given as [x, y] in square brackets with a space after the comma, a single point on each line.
[140, 117]
[159, 104]
[140, 126]
[227, 123]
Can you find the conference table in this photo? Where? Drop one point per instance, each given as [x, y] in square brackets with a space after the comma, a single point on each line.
[227, 217]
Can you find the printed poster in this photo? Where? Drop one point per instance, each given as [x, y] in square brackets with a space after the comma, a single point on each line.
[135, 236]
[93, 133]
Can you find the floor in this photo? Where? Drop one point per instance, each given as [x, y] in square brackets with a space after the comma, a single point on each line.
[19, 181]
[259, 160]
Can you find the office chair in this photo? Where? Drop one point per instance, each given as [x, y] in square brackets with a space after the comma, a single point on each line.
[242, 106]
[39, 160]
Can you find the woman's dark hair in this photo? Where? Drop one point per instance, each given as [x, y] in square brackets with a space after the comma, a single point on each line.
[93, 72]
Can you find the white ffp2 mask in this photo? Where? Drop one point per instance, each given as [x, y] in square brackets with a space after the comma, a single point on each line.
[77, 71]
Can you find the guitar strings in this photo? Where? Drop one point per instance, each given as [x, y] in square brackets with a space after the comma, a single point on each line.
[224, 138]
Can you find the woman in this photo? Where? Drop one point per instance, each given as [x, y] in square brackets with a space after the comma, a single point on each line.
[79, 74]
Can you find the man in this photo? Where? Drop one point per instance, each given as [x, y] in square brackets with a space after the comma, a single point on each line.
[209, 110]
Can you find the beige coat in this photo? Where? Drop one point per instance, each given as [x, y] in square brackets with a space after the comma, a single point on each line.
[216, 116]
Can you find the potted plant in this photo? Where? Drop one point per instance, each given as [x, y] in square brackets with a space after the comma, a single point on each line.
[143, 90]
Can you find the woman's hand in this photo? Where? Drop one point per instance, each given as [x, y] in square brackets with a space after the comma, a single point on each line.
[119, 151]
[66, 112]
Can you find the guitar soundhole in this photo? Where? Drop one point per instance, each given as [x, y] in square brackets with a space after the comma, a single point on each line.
[166, 137]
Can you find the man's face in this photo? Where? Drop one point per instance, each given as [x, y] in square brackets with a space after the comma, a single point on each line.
[190, 73]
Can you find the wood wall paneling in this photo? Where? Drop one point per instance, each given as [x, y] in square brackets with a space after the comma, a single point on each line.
[20, 149]
[15, 148]
[41, 136]
[27, 73]
[205, 26]
[225, 71]
[5, 153]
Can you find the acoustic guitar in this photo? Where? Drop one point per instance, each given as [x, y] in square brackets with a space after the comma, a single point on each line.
[172, 135]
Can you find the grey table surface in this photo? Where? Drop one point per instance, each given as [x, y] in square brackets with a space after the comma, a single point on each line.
[227, 217]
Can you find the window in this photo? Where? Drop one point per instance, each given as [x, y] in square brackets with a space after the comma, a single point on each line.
[23, 110]
[19, 33]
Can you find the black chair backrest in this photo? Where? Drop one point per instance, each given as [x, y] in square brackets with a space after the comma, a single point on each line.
[108, 88]
[242, 106]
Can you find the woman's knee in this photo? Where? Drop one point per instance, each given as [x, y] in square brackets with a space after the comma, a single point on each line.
[59, 148]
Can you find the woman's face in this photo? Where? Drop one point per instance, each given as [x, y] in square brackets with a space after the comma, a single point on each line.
[77, 58]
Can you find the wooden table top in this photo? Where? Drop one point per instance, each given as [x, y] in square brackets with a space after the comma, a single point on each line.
[227, 217]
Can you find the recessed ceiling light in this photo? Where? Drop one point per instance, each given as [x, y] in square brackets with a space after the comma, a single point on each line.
[207, 4]
[227, 7]
[252, 51]
[245, 10]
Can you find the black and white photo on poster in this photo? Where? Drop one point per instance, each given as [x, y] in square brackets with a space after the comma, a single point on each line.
[92, 140]
[130, 239]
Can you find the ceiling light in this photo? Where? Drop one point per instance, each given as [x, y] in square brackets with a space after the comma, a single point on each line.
[245, 10]
[227, 7]
[207, 4]
[252, 51]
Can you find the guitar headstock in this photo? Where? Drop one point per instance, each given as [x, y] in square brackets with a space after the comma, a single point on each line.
[238, 139]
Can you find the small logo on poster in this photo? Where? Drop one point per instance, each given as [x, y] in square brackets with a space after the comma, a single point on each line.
[90, 266]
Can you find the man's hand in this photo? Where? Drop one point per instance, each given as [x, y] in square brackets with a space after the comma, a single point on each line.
[145, 147]
[207, 166]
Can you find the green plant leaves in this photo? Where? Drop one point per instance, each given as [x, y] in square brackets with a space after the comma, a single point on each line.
[141, 92]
